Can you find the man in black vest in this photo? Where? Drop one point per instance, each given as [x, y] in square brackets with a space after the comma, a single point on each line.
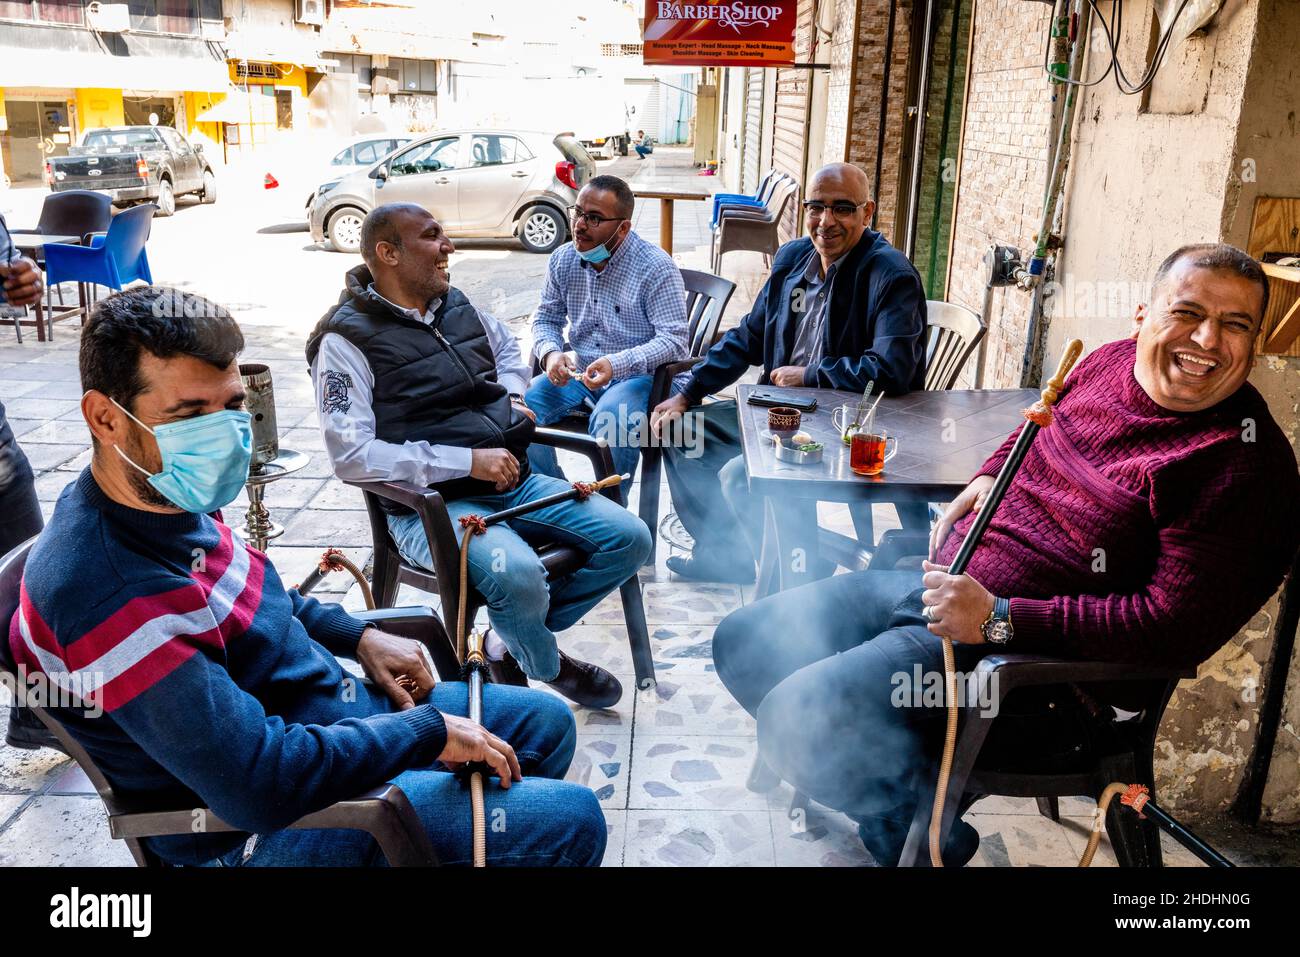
[842, 308]
[413, 383]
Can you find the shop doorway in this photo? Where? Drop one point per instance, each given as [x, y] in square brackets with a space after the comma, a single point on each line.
[37, 130]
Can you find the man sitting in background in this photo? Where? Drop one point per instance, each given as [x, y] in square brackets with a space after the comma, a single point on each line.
[205, 681]
[841, 308]
[625, 308]
[20, 512]
[1147, 525]
[414, 384]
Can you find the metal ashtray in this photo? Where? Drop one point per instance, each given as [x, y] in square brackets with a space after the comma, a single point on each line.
[794, 456]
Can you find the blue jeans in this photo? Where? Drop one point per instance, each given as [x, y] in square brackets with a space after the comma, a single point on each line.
[524, 609]
[544, 821]
[643, 151]
[619, 417]
[818, 667]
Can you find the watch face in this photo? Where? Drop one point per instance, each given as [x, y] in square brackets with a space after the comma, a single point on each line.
[997, 632]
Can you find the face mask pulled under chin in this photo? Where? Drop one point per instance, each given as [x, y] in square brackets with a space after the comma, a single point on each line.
[598, 254]
[204, 459]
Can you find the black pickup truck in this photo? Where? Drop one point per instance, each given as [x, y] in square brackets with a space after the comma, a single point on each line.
[135, 164]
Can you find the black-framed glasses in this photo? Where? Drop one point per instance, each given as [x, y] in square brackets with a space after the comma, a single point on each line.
[841, 210]
[592, 219]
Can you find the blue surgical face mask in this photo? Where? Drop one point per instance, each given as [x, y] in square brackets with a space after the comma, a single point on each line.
[204, 459]
[597, 254]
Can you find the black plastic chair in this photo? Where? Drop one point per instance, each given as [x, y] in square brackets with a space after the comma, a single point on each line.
[1136, 840]
[384, 812]
[1145, 691]
[78, 212]
[391, 570]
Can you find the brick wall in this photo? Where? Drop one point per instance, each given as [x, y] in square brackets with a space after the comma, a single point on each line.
[838, 51]
[868, 88]
[1003, 169]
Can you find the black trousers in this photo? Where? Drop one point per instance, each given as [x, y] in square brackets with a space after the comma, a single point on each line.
[20, 512]
[695, 487]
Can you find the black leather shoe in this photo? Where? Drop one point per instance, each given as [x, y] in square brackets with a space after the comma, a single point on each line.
[586, 684]
[507, 672]
[701, 569]
[28, 733]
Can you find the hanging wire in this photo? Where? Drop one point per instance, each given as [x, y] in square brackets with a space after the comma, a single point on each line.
[1114, 30]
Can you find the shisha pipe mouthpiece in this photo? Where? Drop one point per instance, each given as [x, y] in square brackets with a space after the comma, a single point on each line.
[1040, 413]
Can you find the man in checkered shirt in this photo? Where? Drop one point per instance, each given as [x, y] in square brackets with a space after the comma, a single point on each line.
[625, 308]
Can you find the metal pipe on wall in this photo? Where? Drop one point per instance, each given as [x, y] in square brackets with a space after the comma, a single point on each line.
[918, 130]
[1037, 272]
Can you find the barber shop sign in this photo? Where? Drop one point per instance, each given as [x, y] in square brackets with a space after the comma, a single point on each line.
[719, 34]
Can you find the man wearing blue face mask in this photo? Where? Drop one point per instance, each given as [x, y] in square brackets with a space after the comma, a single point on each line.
[205, 680]
[625, 308]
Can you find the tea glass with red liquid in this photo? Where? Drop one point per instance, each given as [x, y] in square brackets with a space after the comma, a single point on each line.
[869, 451]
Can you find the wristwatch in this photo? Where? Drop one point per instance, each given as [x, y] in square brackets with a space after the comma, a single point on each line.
[997, 628]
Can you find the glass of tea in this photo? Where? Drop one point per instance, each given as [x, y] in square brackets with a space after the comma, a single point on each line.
[869, 451]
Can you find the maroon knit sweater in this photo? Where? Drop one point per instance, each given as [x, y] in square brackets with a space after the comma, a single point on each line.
[1132, 533]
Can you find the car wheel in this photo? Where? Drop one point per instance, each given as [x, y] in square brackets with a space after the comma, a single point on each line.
[166, 199]
[622, 146]
[345, 230]
[209, 195]
[542, 229]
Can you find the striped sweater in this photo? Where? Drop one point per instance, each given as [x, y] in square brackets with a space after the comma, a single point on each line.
[207, 680]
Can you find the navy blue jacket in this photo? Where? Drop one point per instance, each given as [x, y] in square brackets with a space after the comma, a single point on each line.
[875, 324]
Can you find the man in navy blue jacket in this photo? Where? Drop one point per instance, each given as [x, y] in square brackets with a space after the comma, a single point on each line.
[842, 308]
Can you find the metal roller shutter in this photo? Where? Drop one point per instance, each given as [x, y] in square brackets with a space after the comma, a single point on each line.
[753, 164]
[793, 88]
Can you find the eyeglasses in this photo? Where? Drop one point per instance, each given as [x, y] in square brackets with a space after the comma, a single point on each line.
[592, 219]
[841, 210]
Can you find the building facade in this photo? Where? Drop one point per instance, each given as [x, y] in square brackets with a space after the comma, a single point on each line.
[63, 71]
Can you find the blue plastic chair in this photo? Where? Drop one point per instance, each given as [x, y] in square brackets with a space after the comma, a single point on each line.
[112, 259]
[741, 199]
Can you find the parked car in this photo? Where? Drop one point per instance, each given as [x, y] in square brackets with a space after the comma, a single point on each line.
[360, 152]
[478, 183]
[135, 164]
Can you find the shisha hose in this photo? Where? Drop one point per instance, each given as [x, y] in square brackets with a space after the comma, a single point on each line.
[333, 560]
[469, 648]
[1137, 797]
[1036, 416]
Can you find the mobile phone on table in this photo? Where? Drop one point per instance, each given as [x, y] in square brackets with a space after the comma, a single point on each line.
[772, 400]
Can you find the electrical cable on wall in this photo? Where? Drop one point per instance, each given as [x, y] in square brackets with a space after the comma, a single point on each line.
[1114, 30]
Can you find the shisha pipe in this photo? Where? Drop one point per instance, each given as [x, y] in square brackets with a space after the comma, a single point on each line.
[1036, 416]
[469, 649]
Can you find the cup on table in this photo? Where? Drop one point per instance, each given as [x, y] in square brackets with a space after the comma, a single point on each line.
[783, 421]
[869, 451]
[844, 418]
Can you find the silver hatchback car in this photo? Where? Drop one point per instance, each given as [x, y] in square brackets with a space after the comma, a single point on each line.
[477, 183]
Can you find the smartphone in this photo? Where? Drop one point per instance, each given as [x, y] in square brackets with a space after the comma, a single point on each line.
[772, 400]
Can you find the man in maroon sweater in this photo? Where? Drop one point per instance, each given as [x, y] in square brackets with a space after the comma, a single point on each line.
[1147, 524]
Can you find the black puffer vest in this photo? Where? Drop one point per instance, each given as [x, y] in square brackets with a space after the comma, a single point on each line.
[435, 383]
